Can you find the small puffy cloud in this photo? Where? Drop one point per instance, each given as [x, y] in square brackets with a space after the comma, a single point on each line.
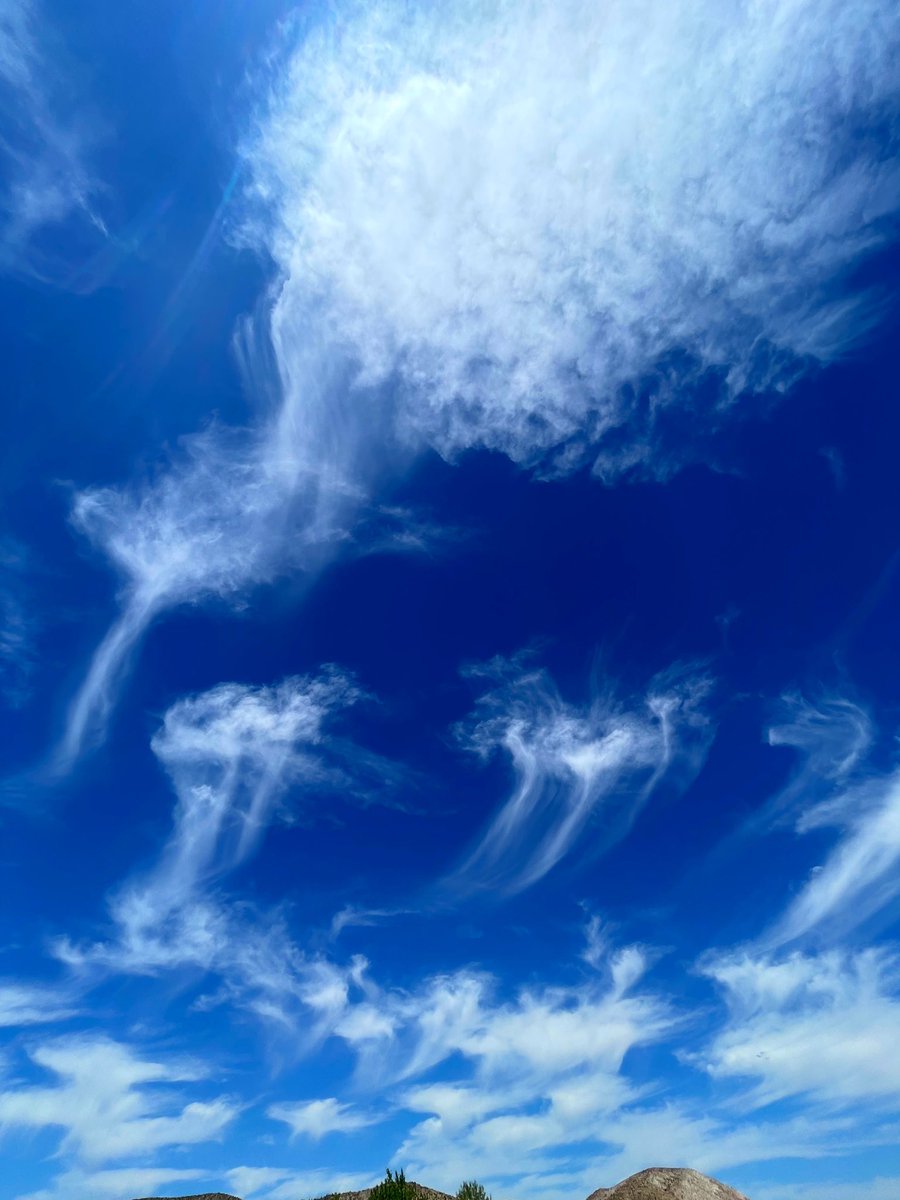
[109, 1101]
[576, 768]
[316, 1118]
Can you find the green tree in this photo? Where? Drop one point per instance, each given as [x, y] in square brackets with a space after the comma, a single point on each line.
[472, 1190]
[394, 1187]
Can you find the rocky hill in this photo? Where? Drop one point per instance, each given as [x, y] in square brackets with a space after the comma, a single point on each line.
[668, 1183]
[205, 1196]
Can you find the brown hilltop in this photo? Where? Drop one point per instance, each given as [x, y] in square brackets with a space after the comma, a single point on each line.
[668, 1183]
[205, 1196]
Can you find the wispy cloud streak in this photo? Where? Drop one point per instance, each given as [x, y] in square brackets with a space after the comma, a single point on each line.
[836, 785]
[43, 144]
[861, 874]
[831, 736]
[576, 767]
[32, 1004]
[232, 754]
[235, 508]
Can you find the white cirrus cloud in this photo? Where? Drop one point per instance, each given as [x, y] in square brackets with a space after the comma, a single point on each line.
[317, 1118]
[860, 876]
[525, 1140]
[24, 1003]
[545, 1034]
[233, 509]
[831, 735]
[233, 753]
[815, 1026]
[212, 524]
[523, 214]
[110, 1102]
[836, 784]
[577, 768]
[689, 1136]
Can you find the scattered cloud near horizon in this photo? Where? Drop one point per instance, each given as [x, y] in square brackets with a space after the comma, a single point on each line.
[505, 1080]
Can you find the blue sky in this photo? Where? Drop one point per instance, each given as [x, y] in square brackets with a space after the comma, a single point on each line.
[449, 570]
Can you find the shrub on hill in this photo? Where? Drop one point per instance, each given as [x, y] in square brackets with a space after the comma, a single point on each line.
[472, 1190]
[393, 1187]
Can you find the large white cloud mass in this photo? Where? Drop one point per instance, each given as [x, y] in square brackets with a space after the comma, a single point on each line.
[571, 232]
[525, 215]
